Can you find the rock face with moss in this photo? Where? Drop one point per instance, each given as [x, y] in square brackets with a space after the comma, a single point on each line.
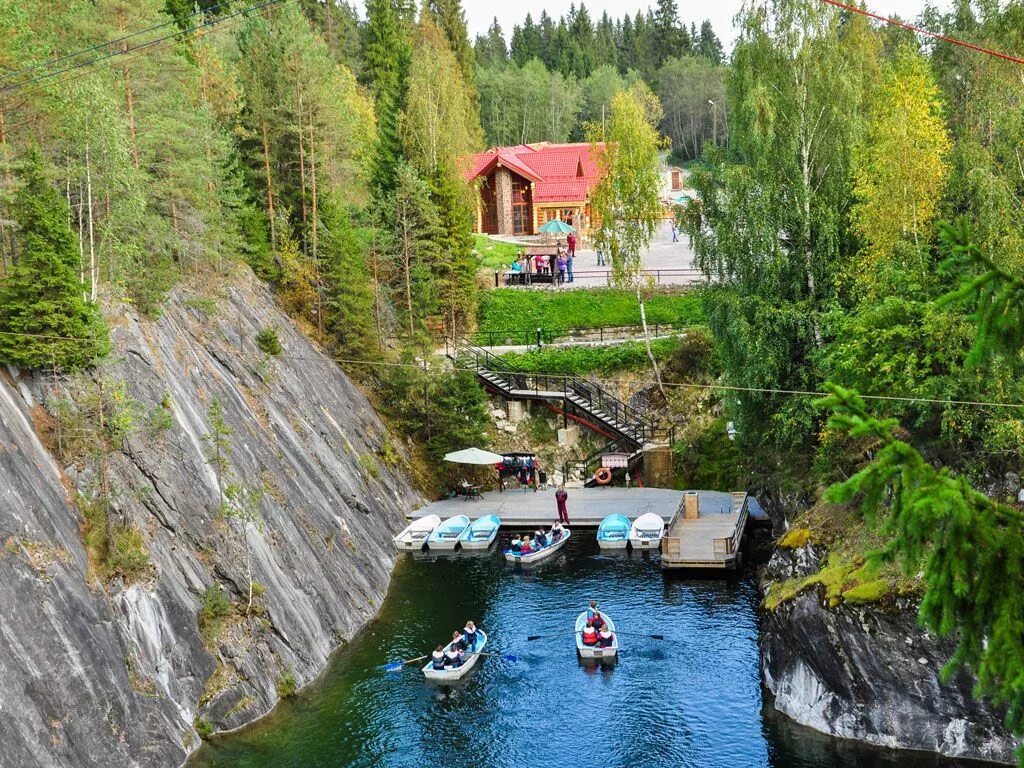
[841, 652]
[126, 628]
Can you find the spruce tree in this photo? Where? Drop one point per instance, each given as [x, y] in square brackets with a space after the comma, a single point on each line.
[456, 269]
[386, 52]
[45, 319]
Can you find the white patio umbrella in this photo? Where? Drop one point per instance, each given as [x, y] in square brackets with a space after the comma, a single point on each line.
[473, 456]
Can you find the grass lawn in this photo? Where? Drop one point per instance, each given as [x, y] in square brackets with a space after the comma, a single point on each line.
[508, 309]
[631, 356]
[494, 254]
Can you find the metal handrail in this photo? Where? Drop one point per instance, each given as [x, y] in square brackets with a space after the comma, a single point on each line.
[528, 336]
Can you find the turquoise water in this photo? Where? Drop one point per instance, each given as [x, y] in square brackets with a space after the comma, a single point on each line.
[693, 699]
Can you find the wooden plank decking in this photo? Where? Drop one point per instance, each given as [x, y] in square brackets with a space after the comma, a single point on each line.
[710, 540]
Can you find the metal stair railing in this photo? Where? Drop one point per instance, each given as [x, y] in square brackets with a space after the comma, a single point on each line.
[626, 421]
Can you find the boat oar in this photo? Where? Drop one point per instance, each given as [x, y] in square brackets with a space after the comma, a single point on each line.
[641, 634]
[394, 666]
[557, 634]
[504, 656]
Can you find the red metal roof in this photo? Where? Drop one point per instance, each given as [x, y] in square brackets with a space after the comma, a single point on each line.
[559, 172]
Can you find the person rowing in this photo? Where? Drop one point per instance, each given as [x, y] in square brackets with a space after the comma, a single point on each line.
[469, 636]
[437, 658]
[589, 634]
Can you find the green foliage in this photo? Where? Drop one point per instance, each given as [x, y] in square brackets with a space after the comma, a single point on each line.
[709, 459]
[44, 320]
[967, 546]
[494, 254]
[580, 360]
[369, 465]
[160, 418]
[215, 607]
[507, 309]
[350, 295]
[286, 685]
[203, 727]
[441, 410]
[126, 554]
[217, 444]
[268, 342]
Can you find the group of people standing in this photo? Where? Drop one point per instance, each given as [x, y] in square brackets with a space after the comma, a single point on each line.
[455, 654]
[558, 265]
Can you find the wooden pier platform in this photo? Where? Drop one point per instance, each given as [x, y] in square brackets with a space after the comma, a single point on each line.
[587, 506]
[705, 535]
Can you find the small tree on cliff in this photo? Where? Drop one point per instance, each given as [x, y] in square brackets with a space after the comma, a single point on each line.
[45, 319]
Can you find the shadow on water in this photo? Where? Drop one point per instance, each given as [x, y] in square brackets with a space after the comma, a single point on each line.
[693, 699]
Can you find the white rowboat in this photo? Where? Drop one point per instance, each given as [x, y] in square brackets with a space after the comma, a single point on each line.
[646, 531]
[613, 533]
[592, 651]
[415, 534]
[540, 554]
[446, 535]
[481, 533]
[455, 673]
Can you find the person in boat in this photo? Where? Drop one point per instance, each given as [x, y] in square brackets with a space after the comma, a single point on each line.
[469, 636]
[516, 545]
[457, 641]
[540, 539]
[589, 634]
[594, 615]
[437, 658]
[454, 657]
[557, 532]
[527, 546]
[605, 638]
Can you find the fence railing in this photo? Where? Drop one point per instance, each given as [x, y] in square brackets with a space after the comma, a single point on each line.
[511, 279]
[533, 336]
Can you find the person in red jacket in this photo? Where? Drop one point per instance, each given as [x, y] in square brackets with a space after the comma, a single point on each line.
[589, 634]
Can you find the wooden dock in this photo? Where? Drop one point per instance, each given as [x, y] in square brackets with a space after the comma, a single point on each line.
[587, 506]
[705, 528]
[705, 535]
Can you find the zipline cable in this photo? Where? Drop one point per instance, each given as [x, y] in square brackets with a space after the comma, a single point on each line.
[925, 32]
[603, 381]
[50, 62]
[141, 46]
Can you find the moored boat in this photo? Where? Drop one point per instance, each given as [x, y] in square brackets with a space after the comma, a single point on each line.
[415, 534]
[454, 673]
[646, 531]
[593, 651]
[446, 535]
[481, 533]
[613, 533]
[540, 554]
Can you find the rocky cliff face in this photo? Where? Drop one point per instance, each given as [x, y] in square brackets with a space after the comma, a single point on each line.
[870, 673]
[99, 672]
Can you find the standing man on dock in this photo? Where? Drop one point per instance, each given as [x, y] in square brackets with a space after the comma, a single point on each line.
[560, 498]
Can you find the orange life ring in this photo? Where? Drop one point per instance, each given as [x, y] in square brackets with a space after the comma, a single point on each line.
[603, 476]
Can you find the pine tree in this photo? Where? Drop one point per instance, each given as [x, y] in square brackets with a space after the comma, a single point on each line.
[451, 19]
[707, 44]
[526, 42]
[349, 288]
[456, 268]
[44, 318]
[386, 52]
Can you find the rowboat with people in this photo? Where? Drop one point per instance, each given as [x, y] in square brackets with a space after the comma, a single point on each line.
[415, 534]
[446, 535]
[481, 533]
[613, 532]
[596, 651]
[454, 673]
[538, 555]
[647, 531]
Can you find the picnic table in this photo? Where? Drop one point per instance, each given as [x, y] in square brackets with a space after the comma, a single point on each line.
[467, 492]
